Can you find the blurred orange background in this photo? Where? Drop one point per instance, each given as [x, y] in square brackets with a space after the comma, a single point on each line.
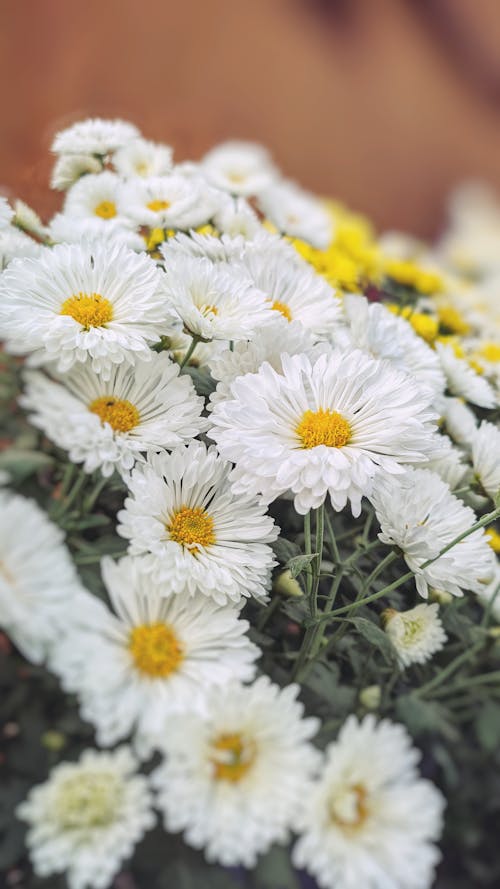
[383, 103]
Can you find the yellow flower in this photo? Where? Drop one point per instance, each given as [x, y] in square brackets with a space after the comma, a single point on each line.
[410, 274]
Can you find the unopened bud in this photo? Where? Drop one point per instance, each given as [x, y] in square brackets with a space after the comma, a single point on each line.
[53, 740]
[370, 697]
[440, 596]
[286, 585]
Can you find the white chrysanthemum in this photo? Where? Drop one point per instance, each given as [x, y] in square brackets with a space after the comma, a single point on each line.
[87, 817]
[486, 457]
[198, 534]
[276, 339]
[370, 820]
[143, 158]
[215, 301]
[459, 419]
[169, 202]
[448, 462]
[242, 168]
[234, 780]
[236, 217]
[68, 168]
[382, 334]
[96, 197]
[294, 289]
[297, 213]
[322, 426]
[463, 380]
[6, 212]
[490, 595]
[39, 587]
[154, 657]
[94, 136]
[75, 230]
[75, 302]
[109, 424]
[419, 514]
[416, 634]
[15, 244]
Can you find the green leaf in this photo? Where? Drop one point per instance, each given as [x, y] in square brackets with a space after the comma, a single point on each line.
[487, 726]
[20, 464]
[284, 550]
[322, 679]
[300, 563]
[275, 871]
[372, 633]
[204, 383]
[425, 716]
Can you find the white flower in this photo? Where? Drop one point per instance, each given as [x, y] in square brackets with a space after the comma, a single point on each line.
[39, 587]
[234, 780]
[153, 658]
[215, 301]
[459, 419]
[416, 634]
[236, 217]
[96, 197]
[490, 595]
[242, 168]
[297, 213]
[419, 514]
[293, 289]
[463, 380]
[169, 202]
[486, 457]
[75, 302]
[75, 230]
[448, 463]
[322, 426]
[277, 338]
[29, 221]
[385, 335]
[87, 817]
[69, 167]
[6, 212]
[107, 424]
[94, 136]
[370, 820]
[14, 243]
[200, 536]
[143, 158]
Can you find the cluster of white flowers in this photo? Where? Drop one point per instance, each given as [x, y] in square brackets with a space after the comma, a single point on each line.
[156, 276]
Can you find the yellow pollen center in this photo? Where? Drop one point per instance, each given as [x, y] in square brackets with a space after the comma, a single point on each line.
[232, 757]
[493, 539]
[283, 308]
[121, 415]
[158, 205]
[323, 428]
[490, 351]
[237, 178]
[155, 649]
[349, 809]
[192, 527]
[88, 799]
[88, 309]
[106, 210]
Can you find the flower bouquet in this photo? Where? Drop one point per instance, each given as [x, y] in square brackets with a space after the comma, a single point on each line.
[248, 574]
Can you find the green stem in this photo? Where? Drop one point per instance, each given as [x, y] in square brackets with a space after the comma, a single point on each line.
[91, 498]
[449, 669]
[192, 346]
[470, 682]
[267, 613]
[332, 539]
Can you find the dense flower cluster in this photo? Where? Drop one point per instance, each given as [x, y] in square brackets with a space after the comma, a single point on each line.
[278, 413]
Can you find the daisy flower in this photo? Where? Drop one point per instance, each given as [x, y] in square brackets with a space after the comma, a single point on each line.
[68, 168]
[485, 447]
[463, 380]
[109, 424]
[236, 217]
[382, 334]
[87, 817]
[322, 426]
[294, 290]
[169, 202]
[235, 778]
[39, 587]
[77, 302]
[242, 168]
[94, 136]
[143, 158]
[75, 229]
[198, 534]
[297, 213]
[215, 301]
[416, 634]
[370, 820]
[459, 419]
[95, 197]
[418, 513]
[15, 244]
[153, 656]
[448, 463]
[6, 212]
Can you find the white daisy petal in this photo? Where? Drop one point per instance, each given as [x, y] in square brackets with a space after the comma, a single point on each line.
[94, 136]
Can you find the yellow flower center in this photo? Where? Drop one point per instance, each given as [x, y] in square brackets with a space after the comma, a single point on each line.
[192, 527]
[121, 414]
[88, 309]
[283, 308]
[453, 320]
[493, 539]
[349, 808]
[158, 205]
[106, 210]
[323, 428]
[156, 650]
[491, 352]
[88, 799]
[232, 757]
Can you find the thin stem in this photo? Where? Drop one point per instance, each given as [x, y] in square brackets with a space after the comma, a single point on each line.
[192, 346]
[267, 613]
[66, 502]
[320, 532]
[449, 669]
[90, 500]
[332, 539]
